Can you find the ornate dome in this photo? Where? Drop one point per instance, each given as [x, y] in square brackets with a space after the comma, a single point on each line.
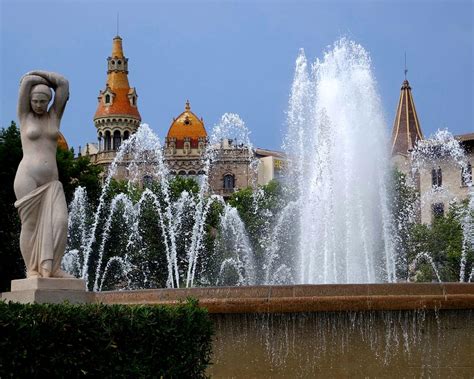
[187, 125]
[61, 142]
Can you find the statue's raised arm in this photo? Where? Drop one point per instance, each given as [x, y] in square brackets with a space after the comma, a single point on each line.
[27, 83]
[58, 83]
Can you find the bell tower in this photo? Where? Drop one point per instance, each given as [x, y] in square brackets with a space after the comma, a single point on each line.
[117, 115]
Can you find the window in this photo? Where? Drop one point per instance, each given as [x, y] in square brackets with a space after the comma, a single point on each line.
[134, 100]
[126, 135]
[436, 177]
[117, 140]
[229, 182]
[466, 175]
[437, 210]
[107, 141]
[107, 99]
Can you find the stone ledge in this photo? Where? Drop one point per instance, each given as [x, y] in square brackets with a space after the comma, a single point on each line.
[307, 298]
[49, 296]
[69, 284]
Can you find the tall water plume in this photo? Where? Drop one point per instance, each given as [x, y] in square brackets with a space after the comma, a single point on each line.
[337, 147]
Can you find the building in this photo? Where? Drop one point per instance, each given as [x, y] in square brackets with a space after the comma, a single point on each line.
[117, 117]
[442, 181]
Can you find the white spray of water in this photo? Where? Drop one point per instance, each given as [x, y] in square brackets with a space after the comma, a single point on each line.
[336, 143]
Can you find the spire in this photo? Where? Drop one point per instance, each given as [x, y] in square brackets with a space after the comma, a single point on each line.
[118, 98]
[117, 49]
[406, 128]
[187, 107]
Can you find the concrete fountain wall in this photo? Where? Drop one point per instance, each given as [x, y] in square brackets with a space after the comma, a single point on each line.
[342, 330]
[366, 330]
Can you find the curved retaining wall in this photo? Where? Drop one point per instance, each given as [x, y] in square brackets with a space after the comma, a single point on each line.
[307, 298]
[362, 330]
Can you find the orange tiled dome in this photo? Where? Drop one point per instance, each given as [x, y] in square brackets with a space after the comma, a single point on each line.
[61, 142]
[187, 125]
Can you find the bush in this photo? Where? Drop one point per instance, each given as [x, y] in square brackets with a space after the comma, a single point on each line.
[95, 340]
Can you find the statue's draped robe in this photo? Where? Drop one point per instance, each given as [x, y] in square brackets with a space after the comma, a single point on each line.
[46, 206]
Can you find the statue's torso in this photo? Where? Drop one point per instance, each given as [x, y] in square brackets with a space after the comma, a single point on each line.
[39, 142]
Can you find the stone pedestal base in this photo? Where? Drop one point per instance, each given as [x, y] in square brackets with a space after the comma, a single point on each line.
[48, 290]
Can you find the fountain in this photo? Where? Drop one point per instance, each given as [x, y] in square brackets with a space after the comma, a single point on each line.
[334, 228]
[338, 213]
[335, 119]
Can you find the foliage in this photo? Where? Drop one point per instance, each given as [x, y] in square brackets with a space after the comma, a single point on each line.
[78, 172]
[180, 184]
[11, 262]
[113, 341]
[443, 242]
[136, 250]
[258, 210]
[404, 205]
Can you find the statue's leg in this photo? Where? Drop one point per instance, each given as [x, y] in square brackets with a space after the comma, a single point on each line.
[60, 221]
[46, 268]
[23, 185]
[26, 248]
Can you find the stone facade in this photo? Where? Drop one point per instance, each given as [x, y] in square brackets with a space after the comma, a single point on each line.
[443, 183]
[439, 184]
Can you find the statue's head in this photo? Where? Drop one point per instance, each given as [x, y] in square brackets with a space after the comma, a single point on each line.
[40, 97]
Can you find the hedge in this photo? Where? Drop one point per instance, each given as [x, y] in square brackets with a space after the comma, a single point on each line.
[96, 340]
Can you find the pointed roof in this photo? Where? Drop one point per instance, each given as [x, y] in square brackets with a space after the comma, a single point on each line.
[187, 125]
[117, 86]
[406, 128]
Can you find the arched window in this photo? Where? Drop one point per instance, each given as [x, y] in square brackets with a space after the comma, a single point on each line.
[182, 172]
[107, 99]
[437, 210]
[466, 175]
[436, 177]
[229, 182]
[107, 141]
[117, 140]
[100, 142]
[126, 135]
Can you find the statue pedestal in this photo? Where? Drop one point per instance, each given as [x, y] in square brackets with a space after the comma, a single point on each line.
[48, 290]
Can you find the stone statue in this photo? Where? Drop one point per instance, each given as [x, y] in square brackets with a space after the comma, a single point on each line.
[40, 196]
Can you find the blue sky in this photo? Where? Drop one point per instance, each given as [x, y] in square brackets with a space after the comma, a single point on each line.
[229, 56]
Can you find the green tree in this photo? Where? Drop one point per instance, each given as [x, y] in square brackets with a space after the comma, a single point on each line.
[404, 207]
[11, 262]
[442, 241]
[258, 210]
[78, 172]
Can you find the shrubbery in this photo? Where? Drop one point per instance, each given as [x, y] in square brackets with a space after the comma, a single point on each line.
[114, 341]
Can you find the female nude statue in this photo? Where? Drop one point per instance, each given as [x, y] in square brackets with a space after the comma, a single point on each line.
[40, 197]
